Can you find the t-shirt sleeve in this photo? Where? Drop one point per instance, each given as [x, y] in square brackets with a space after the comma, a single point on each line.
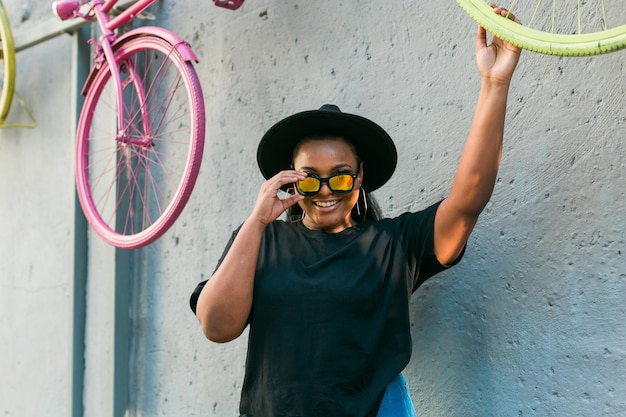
[420, 235]
[193, 300]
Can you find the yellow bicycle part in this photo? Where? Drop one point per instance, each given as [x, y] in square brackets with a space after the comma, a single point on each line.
[585, 28]
[7, 56]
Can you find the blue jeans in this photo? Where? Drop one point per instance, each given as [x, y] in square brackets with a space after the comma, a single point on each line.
[397, 400]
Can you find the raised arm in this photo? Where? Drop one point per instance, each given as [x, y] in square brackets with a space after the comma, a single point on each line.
[478, 167]
[225, 301]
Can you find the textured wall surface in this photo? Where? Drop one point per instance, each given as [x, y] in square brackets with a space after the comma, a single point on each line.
[530, 323]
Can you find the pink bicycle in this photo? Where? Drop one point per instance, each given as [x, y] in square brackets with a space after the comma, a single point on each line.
[140, 134]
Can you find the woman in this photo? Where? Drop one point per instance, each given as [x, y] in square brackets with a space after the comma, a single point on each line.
[326, 293]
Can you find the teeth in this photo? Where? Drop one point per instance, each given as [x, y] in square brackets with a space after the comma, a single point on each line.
[325, 203]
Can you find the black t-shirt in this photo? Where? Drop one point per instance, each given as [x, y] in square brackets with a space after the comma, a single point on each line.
[329, 326]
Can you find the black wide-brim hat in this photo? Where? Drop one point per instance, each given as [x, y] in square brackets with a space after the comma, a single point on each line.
[373, 144]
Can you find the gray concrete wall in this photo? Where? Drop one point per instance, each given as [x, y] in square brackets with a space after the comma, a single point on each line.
[531, 323]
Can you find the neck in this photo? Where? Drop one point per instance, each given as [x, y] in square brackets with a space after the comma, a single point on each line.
[306, 222]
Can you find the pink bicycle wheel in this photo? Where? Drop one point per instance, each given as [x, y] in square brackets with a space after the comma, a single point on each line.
[133, 184]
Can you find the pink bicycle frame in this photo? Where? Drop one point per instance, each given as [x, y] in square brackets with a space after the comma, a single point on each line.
[109, 39]
[108, 27]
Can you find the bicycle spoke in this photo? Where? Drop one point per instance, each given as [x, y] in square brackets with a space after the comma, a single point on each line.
[604, 20]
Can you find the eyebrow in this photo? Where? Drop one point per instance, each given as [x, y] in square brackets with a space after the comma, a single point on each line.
[335, 168]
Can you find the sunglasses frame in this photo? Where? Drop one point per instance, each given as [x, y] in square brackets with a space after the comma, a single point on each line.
[327, 182]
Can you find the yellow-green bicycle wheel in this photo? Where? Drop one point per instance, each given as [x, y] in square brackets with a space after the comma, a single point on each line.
[7, 65]
[572, 28]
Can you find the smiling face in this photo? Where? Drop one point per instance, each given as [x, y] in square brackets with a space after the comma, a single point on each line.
[325, 158]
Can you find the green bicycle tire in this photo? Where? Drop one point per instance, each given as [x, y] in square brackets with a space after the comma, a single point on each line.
[583, 44]
[7, 56]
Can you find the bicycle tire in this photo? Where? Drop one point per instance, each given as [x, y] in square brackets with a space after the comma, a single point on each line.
[133, 185]
[7, 66]
[576, 35]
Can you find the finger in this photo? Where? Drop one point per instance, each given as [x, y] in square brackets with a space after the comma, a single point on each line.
[504, 13]
[481, 38]
[292, 173]
[283, 178]
[291, 200]
[513, 18]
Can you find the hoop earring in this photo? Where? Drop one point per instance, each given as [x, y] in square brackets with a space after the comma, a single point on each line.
[364, 205]
[360, 215]
[297, 218]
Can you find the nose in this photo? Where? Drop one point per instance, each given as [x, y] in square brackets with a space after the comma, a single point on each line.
[325, 188]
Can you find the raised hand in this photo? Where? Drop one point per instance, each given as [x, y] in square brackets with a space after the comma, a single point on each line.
[269, 206]
[496, 61]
